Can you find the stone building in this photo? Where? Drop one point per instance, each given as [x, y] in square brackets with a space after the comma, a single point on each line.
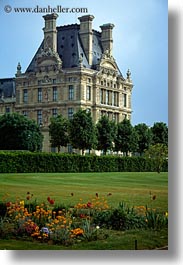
[73, 68]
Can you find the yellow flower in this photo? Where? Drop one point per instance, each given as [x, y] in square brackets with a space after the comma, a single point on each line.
[22, 203]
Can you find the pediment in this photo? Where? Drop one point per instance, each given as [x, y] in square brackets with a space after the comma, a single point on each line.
[48, 57]
[46, 61]
[108, 64]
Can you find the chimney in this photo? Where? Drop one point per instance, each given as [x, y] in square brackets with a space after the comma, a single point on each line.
[86, 35]
[106, 37]
[50, 32]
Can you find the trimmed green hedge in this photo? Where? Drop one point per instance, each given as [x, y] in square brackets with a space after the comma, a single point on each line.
[26, 162]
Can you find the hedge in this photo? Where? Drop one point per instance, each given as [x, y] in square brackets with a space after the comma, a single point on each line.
[27, 162]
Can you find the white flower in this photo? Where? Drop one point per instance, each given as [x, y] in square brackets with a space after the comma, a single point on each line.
[97, 227]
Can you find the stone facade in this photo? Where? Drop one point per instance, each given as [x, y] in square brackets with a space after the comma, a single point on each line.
[73, 68]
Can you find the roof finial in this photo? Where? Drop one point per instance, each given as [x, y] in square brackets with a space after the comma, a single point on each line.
[80, 60]
[128, 74]
[19, 68]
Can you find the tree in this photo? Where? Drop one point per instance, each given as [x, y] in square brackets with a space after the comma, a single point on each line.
[126, 137]
[82, 133]
[58, 130]
[144, 137]
[160, 133]
[19, 133]
[158, 152]
[106, 132]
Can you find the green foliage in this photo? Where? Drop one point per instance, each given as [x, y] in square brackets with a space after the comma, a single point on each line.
[82, 132]
[126, 137]
[144, 137]
[19, 133]
[120, 218]
[156, 220]
[159, 133]
[157, 153]
[25, 162]
[58, 130]
[90, 232]
[106, 132]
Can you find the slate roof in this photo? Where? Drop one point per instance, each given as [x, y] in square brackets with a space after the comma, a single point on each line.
[7, 88]
[69, 48]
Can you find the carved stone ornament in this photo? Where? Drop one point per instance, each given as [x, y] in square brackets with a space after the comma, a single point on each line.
[46, 80]
[48, 54]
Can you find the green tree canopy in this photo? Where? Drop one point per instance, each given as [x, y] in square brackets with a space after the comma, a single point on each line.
[158, 152]
[160, 133]
[19, 133]
[106, 133]
[82, 133]
[58, 130]
[144, 137]
[126, 137]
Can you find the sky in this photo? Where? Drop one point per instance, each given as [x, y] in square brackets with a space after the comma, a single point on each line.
[140, 43]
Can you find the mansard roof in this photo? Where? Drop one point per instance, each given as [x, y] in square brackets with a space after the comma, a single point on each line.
[7, 88]
[70, 49]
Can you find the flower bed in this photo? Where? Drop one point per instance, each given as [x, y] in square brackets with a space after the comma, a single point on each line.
[85, 221]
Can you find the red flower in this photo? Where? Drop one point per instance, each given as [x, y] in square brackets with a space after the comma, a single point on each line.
[82, 215]
[48, 199]
[8, 204]
[89, 204]
[51, 201]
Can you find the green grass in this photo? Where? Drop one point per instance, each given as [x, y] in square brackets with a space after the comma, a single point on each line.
[131, 187]
[117, 240]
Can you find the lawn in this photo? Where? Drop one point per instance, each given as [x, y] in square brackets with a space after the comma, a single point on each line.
[117, 240]
[133, 188]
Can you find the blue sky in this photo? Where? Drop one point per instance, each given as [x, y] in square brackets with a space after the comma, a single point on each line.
[140, 44]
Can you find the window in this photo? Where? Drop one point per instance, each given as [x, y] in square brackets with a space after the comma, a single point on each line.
[40, 94]
[107, 97]
[70, 149]
[116, 97]
[54, 112]
[7, 109]
[25, 113]
[70, 113]
[88, 92]
[55, 94]
[25, 96]
[39, 117]
[53, 149]
[124, 100]
[101, 95]
[54, 81]
[71, 92]
[116, 117]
